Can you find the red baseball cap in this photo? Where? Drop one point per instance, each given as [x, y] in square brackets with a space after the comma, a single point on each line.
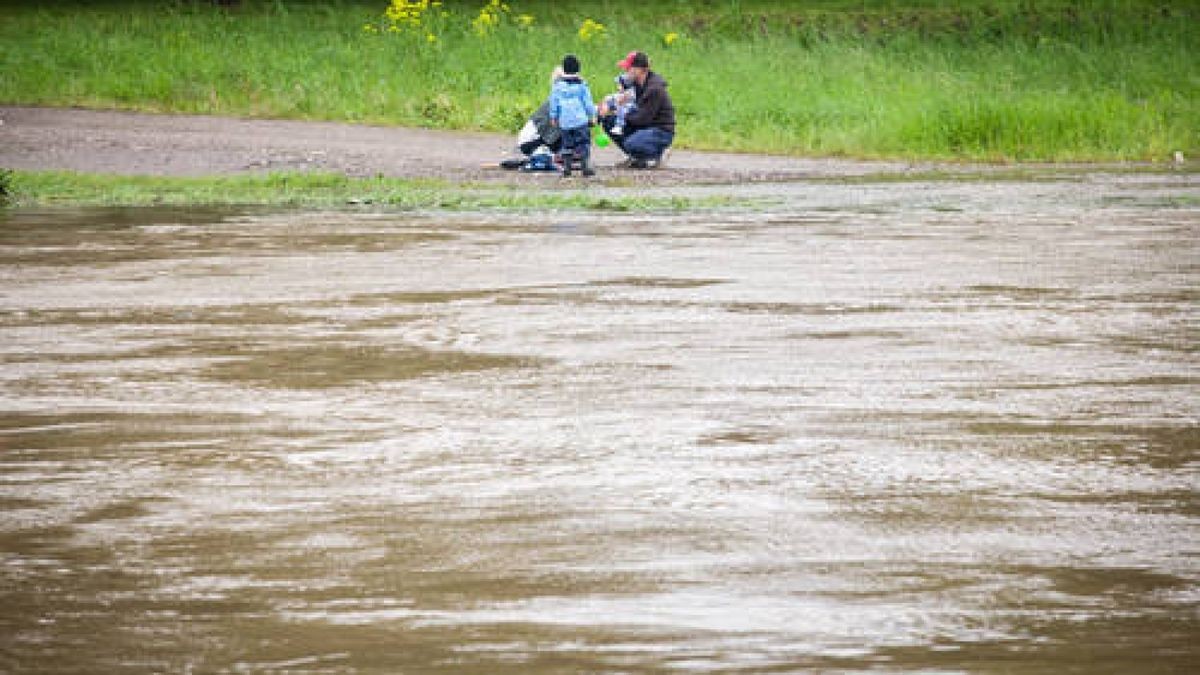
[626, 62]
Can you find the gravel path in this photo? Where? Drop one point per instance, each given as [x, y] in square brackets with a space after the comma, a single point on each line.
[104, 141]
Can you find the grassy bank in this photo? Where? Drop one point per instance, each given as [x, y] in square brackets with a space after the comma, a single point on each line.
[981, 79]
[61, 188]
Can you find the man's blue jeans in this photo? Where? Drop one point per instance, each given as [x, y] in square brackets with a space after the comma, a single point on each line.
[647, 144]
[644, 144]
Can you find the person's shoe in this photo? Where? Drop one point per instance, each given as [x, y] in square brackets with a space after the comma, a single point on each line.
[566, 171]
[662, 159]
[624, 164]
[589, 171]
[639, 164]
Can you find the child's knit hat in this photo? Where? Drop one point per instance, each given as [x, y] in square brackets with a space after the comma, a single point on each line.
[571, 64]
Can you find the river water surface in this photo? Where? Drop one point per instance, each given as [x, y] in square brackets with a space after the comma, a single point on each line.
[944, 426]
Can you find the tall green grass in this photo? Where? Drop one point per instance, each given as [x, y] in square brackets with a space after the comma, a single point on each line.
[986, 79]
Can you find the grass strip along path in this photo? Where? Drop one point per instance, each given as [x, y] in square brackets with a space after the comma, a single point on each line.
[313, 189]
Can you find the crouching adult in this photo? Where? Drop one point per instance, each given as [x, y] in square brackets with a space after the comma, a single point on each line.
[649, 130]
[539, 130]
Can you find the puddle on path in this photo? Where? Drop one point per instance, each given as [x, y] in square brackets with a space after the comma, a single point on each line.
[936, 426]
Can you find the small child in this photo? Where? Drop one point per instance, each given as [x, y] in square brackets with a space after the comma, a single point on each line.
[622, 103]
[572, 110]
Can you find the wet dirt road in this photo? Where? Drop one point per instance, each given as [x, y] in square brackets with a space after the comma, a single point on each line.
[944, 426]
[129, 143]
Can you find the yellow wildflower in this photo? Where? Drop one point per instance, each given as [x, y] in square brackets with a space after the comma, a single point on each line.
[591, 30]
[406, 13]
[669, 39]
[489, 18]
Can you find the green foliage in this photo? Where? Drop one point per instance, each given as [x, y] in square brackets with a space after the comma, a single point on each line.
[7, 190]
[62, 188]
[982, 79]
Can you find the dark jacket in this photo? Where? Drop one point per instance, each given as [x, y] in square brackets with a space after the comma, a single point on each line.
[654, 107]
[549, 133]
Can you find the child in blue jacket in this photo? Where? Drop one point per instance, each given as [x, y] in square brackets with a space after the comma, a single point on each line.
[572, 111]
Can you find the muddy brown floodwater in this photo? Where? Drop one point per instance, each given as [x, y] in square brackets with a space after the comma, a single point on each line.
[921, 426]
